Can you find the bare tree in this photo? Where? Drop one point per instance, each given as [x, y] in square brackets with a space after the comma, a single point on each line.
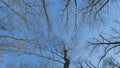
[109, 46]
[33, 28]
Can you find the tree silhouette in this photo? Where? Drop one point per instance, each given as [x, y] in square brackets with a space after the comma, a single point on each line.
[41, 28]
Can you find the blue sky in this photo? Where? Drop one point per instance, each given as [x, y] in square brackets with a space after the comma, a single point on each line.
[37, 29]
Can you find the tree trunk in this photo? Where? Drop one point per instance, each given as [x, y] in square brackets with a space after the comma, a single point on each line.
[67, 61]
